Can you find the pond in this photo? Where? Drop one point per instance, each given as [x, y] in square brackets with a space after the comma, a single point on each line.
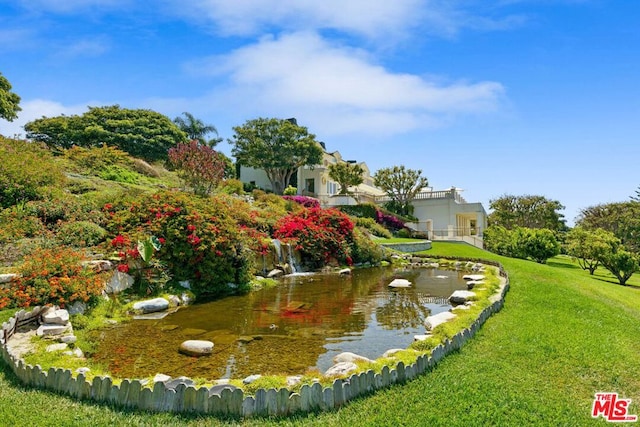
[301, 324]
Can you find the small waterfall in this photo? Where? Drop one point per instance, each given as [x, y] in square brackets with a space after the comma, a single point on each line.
[292, 260]
[278, 247]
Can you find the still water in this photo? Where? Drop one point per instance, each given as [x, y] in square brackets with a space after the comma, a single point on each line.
[301, 324]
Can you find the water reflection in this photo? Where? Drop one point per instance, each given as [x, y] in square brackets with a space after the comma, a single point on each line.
[301, 324]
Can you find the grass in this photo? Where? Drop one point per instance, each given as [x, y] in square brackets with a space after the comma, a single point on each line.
[382, 240]
[562, 336]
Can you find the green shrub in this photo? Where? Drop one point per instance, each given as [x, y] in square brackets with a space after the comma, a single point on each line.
[404, 233]
[373, 227]
[364, 250]
[18, 222]
[22, 175]
[365, 210]
[97, 159]
[231, 186]
[81, 234]
[290, 191]
[119, 174]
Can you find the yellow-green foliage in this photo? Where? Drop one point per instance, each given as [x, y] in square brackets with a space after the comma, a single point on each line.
[265, 382]
[97, 159]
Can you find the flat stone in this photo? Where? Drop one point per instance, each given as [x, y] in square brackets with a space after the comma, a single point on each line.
[151, 316]
[8, 277]
[251, 378]
[349, 357]
[438, 319]
[56, 317]
[472, 283]
[276, 272]
[83, 370]
[442, 277]
[174, 300]
[400, 283]
[392, 351]
[48, 330]
[345, 271]
[293, 380]
[68, 339]
[422, 337]
[340, 369]
[461, 307]
[78, 307]
[151, 305]
[169, 327]
[160, 378]
[76, 352]
[196, 348]
[461, 297]
[56, 347]
[175, 382]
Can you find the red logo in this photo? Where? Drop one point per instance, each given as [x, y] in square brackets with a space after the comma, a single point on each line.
[612, 408]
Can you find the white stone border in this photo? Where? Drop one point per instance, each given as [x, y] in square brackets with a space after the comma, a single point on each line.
[134, 394]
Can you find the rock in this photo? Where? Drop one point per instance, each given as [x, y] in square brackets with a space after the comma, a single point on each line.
[196, 348]
[421, 337]
[461, 297]
[251, 378]
[293, 380]
[345, 271]
[461, 307]
[340, 369]
[438, 319]
[68, 339]
[392, 351]
[49, 330]
[276, 272]
[472, 283]
[442, 277]
[98, 265]
[83, 371]
[56, 317]
[151, 305]
[186, 298]
[56, 347]
[349, 357]
[169, 327]
[9, 277]
[119, 282]
[400, 283]
[174, 300]
[473, 276]
[185, 284]
[76, 352]
[245, 339]
[78, 307]
[172, 384]
[160, 378]
[217, 389]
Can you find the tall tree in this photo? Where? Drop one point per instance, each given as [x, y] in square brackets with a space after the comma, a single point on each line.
[401, 185]
[141, 133]
[528, 211]
[197, 129]
[346, 175]
[621, 218]
[9, 101]
[277, 146]
[589, 246]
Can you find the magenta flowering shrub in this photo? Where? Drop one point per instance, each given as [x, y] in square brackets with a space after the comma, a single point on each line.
[307, 202]
[389, 221]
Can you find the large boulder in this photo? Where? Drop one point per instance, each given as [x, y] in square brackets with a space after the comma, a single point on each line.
[151, 305]
[400, 283]
[56, 317]
[196, 348]
[438, 319]
[460, 297]
[119, 282]
[349, 357]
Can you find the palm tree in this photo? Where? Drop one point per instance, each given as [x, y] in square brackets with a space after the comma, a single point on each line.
[196, 129]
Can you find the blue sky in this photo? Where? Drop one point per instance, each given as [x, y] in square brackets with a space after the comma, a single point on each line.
[492, 96]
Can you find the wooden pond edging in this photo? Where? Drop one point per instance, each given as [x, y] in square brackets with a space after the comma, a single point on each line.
[134, 393]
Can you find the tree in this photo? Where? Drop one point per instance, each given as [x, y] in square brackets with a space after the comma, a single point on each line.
[8, 101]
[401, 185]
[621, 218]
[528, 211]
[277, 146]
[539, 244]
[141, 133]
[346, 175]
[636, 198]
[197, 129]
[589, 246]
[199, 166]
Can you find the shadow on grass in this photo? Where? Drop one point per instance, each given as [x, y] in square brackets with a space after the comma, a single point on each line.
[557, 264]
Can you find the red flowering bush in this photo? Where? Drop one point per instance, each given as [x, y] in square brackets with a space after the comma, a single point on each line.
[202, 241]
[389, 221]
[319, 234]
[52, 276]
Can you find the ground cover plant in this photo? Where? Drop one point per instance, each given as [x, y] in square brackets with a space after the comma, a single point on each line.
[561, 336]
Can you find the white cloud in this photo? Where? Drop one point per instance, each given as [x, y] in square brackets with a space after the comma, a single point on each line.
[88, 47]
[35, 109]
[339, 88]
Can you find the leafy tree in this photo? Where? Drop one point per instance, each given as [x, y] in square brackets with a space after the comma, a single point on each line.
[346, 175]
[621, 264]
[527, 211]
[622, 219]
[197, 129]
[141, 133]
[636, 198]
[277, 146]
[589, 246]
[8, 101]
[539, 244]
[401, 185]
[199, 166]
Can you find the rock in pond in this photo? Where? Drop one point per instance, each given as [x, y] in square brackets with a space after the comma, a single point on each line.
[438, 319]
[345, 271]
[400, 283]
[196, 348]
[349, 357]
[151, 305]
[473, 276]
[460, 297]
[341, 368]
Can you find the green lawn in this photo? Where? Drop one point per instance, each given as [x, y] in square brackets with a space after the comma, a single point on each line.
[561, 336]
